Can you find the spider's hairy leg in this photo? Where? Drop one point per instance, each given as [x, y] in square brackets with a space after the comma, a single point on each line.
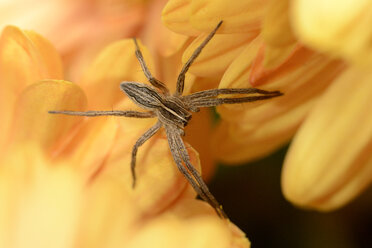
[186, 66]
[227, 91]
[156, 83]
[207, 98]
[180, 154]
[147, 135]
[134, 114]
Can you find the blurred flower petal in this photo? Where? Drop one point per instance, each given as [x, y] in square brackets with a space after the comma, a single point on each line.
[341, 28]
[33, 106]
[200, 232]
[25, 58]
[329, 162]
[115, 64]
[35, 196]
[276, 28]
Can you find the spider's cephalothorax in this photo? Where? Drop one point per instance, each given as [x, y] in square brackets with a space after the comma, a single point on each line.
[173, 112]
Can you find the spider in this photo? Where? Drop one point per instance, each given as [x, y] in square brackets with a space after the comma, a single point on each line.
[173, 112]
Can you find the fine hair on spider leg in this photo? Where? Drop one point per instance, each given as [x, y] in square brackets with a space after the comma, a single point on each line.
[173, 112]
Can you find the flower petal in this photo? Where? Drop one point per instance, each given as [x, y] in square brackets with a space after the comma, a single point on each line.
[159, 183]
[36, 194]
[339, 27]
[115, 64]
[276, 28]
[329, 161]
[200, 232]
[176, 16]
[25, 57]
[240, 17]
[32, 120]
[252, 130]
[217, 55]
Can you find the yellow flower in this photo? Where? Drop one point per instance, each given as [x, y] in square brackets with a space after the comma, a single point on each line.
[314, 64]
[66, 180]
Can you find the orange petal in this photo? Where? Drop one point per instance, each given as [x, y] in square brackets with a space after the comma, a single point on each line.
[115, 64]
[176, 16]
[255, 129]
[276, 28]
[158, 37]
[198, 134]
[35, 195]
[329, 162]
[238, 17]
[200, 232]
[32, 120]
[25, 58]
[341, 28]
[109, 215]
[159, 183]
[217, 55]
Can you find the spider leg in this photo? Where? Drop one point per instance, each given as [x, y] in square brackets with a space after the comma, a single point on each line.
[226, 91]
[219, 101]
[186, 66]
[180, 154]
[186, 158]
[134, 114]
[156, 83]
[147, 135]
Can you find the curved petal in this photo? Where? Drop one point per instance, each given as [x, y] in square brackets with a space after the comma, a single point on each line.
[276, 27]
[25, 57]
[254, 129]
[34, 193]
[329, 162]
[176, 16]
[343, 30]
[115, 64]
[217, 55]
[159, 183]
[198, 232]
[33, 122]
[240, 17]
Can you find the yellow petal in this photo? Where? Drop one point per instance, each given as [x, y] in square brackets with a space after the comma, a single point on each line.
[217, 55]
[176, 15]
[238, 17]
[329, 162]
[36, 194]
[109, 217]
[276, 28]
[32, 120]
[341, 28]
[195, 232]
[25, 58]
[254, 129]
[159, 183]
[115, 64]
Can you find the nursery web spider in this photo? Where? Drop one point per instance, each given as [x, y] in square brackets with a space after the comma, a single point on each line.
[173, 112]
